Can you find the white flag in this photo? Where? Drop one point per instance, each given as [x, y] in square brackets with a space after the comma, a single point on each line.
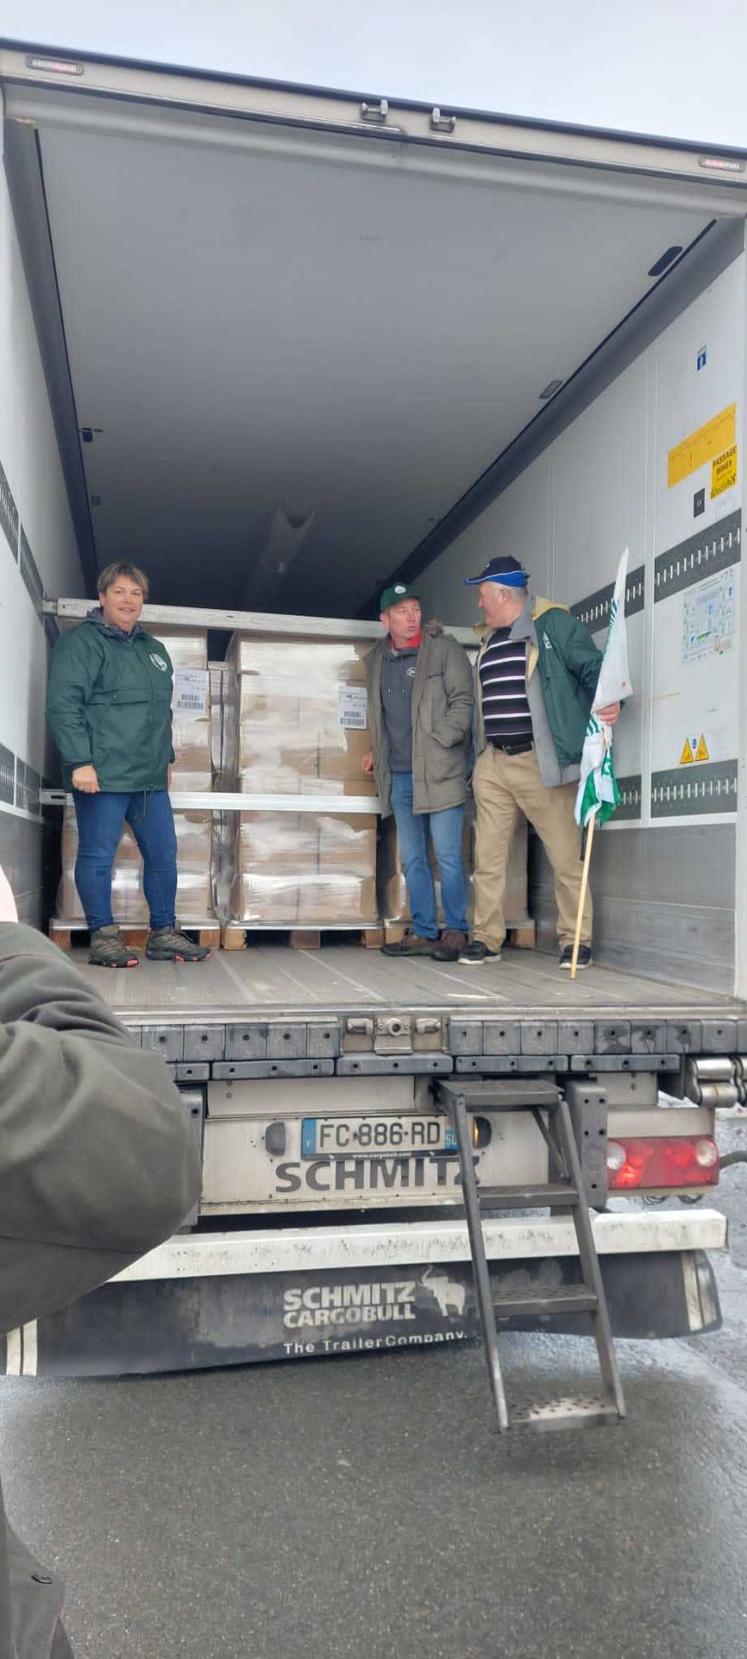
[613, 685]
[598, 793]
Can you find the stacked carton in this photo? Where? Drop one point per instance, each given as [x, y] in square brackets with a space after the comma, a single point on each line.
[191, 770]
[296, 725]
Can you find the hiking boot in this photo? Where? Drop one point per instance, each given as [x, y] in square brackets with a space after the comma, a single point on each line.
[108, 949]
[412, 945]
[167, 944]
[585, 959]
[449, 945]
[477, 953]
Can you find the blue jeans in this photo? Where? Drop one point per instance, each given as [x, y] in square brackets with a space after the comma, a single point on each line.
[446, 834]
[101, 819]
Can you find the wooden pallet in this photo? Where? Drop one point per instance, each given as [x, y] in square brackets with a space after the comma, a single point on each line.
[523, 938]
[237, 936]
[66, 934]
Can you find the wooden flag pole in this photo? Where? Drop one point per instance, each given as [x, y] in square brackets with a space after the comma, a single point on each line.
[582, 896]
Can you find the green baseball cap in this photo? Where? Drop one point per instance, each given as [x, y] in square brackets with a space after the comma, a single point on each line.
[395, 594]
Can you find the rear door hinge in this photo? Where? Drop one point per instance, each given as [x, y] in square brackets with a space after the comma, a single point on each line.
[375, 113]
[442, 123]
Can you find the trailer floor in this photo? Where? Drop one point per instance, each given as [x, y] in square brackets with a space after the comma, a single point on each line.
[272, 979]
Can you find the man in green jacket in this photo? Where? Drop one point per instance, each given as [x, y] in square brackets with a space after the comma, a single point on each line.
[535, 679]
[420, 714]
[98, 1164]
[109, 707]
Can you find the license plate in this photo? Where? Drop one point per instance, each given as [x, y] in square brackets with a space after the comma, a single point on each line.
[337, 1137]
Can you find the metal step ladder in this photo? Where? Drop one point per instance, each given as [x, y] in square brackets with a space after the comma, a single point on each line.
[461, 1099]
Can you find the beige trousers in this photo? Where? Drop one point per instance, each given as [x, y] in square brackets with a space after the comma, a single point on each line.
[505, 785]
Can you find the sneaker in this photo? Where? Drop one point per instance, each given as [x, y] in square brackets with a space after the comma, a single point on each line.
[449, 945]
[108, 949]
[412, 945]
[477, 953]
[584, 957]
[167, 944]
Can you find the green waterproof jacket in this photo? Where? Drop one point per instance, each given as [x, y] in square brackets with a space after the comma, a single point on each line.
[563, 666]
[441, 722]
[109, 705]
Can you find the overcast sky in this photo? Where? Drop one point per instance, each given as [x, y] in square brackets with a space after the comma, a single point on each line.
[669, 67]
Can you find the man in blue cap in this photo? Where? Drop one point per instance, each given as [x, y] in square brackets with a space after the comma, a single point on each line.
[535, 679]
[420, 715]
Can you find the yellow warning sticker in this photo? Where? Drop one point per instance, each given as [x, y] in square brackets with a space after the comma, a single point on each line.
[693, 749]
[724, 471]
[718, 435]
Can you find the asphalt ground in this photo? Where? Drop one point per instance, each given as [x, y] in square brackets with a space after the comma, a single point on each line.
[360, 1506]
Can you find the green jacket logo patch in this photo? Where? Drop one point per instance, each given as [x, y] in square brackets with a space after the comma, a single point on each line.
[159, 662]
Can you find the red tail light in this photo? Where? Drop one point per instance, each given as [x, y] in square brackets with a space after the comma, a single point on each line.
[659, 1161]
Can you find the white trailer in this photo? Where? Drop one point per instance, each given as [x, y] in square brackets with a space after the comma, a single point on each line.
[279, 345]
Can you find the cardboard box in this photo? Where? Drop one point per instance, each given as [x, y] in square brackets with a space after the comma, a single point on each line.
[338, 901]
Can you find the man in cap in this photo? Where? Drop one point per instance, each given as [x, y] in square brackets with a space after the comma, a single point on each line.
[535, 679]
[420, 714]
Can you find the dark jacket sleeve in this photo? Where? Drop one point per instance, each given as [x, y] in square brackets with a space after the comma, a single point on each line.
[71, 680]
[97, 1161]
[582, 657]
[457, 722]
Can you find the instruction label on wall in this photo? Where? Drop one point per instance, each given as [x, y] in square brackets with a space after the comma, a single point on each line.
[709, 616]
[352, 707]
[697, 448]
[190, 691]
[724, 471]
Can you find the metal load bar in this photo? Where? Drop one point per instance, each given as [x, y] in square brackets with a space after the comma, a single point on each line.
[246, 622]
[199, 800]
[564, 1190]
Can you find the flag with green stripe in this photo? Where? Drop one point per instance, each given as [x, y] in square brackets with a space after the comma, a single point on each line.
[598, 792]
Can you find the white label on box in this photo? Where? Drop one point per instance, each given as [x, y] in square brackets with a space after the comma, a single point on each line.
[352, 707]
[190, 691]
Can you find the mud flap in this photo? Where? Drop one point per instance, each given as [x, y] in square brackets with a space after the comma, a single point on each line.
[191, 1324]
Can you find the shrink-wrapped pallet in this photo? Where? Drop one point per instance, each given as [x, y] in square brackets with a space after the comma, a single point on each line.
[191, 724]
[307, 867]
[295, 724]
[297, 716]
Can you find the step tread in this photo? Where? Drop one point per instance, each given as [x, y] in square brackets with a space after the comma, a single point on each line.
[533, 1197]
[548, 1299]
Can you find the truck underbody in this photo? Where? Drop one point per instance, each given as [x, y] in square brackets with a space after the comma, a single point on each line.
[300, 1251]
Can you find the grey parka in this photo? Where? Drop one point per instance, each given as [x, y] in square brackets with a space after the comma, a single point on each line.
[441, 722]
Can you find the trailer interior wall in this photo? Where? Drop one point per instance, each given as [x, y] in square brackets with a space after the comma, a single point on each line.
[38, 556]
[664, 871]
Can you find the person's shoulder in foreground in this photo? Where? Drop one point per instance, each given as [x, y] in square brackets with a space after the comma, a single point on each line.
[97, 1161]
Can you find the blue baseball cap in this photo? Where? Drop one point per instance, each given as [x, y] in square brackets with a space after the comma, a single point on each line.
[503, 570]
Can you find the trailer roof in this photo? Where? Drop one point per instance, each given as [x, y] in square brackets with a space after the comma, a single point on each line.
[190, 72]
[295, 327]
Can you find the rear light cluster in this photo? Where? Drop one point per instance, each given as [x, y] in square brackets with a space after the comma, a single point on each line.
[661, 1161]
